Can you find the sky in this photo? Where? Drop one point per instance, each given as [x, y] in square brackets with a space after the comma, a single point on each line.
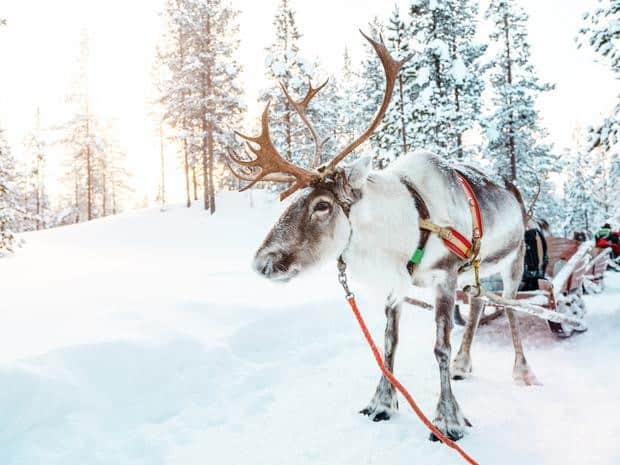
[40, 45]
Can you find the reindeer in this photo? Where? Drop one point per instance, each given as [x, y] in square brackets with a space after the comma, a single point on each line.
[373, 220]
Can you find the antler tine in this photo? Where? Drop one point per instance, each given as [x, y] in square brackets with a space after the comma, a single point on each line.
[391, 67]
[271, 164]
[301, 107]
[273, 177]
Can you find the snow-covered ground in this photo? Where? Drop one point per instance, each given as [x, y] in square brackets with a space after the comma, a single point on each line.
[146, 339]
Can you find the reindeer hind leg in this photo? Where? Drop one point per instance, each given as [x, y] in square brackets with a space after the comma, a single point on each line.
[521, 373]
[461, 365]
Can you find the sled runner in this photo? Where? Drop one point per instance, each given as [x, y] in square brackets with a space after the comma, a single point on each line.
[574, 268]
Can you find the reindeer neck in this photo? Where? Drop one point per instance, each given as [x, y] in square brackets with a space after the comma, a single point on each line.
[384, 228]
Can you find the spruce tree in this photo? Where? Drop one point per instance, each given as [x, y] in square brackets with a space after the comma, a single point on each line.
[348, 122]
[397, 133]
[513, 129]
[286, 66]
[447, 82]
[32, 178]
[370, 94]
[10, 211]
[601, 32]
[84, 138]
[203, 92]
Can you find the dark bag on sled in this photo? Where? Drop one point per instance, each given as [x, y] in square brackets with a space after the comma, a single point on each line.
[536, 259]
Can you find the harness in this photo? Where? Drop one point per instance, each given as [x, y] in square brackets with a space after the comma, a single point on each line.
[466, 250]
[456, 242]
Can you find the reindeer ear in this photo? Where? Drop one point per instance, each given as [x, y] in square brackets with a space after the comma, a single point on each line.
[357, 171]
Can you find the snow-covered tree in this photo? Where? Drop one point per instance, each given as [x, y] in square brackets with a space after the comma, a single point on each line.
[513, 130]
[577, 201]
[396, 135]
[35, 201]
[348, 124]
[83, 137]
[203, 92]
[370, 93]
[601, 32]
[10, 212]
[326, 113]
[286, 66]
[447, 75]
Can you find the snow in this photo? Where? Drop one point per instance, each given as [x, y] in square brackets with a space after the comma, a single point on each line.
[459, 71]
[423, 76]
[440, 48]
[146, 339]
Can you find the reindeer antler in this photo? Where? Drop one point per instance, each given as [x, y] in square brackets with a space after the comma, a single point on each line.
[301, 107]
[269, 164]
[391, 67]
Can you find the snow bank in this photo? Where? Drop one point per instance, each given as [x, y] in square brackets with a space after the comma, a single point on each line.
[145, 339]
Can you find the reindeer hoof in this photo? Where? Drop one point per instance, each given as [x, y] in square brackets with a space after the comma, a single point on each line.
[454, 433]
[374, 415]
[461, 368]
[452, 426]
[523, 374]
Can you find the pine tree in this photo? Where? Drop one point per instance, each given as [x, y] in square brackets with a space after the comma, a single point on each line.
[174, 85]
[397, 133]
[286, 66]
[204, 95]
[86, 142]
[347, 126]
[601, 32]
[10, 212]
[370, 94]
[513, 130]
[32, 178]
[447, 83]
[581, 207]
[325, 113]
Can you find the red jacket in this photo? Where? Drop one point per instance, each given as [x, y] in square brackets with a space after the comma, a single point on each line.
[608, 242]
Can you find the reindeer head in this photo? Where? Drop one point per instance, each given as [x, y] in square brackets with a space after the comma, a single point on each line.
[315, 226]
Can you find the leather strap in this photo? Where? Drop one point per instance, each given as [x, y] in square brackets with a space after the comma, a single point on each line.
[459, 245]
[425, 233]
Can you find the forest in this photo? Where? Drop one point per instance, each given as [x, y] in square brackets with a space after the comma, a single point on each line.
[470, 97]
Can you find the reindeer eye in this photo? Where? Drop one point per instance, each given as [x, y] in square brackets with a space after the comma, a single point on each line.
[322, 206]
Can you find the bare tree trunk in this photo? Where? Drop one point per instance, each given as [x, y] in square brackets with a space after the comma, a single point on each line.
[89, 181]
[437, 66]
[114, 206]
[104, 194]
[205, 148]
[195, 182]
[186, 169]
[403, 127]
[76, 193]
[162, 193]
[211, 165]
[210, 132]
[459, 136]
[89, 168]
[511, 137]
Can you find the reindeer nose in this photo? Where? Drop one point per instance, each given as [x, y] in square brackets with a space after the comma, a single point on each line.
[264, 263]
[272, 263]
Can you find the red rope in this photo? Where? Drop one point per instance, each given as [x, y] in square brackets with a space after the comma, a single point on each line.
[392, 379]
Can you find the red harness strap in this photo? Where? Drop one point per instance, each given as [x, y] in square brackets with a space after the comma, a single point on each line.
[454, 240]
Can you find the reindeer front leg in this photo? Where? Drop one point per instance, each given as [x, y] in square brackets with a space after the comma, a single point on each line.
[448, 417]
[385, 402]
